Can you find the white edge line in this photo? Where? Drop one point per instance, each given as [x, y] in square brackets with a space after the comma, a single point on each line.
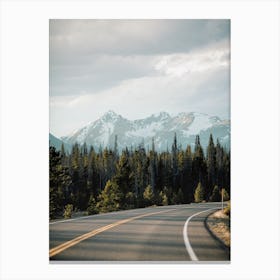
[185, 234]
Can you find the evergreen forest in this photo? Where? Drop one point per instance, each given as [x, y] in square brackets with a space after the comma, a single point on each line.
[104, 180]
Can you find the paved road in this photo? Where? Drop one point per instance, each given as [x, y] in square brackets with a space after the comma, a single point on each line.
[167, 233]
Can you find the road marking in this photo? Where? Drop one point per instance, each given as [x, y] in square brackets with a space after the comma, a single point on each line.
[58, 249]
[185, 234]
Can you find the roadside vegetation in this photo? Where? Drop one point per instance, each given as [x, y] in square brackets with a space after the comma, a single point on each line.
[97, 181]
[219, 224]
[68, 211]
[227, 209]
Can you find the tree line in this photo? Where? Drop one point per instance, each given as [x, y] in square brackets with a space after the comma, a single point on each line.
[105, 180]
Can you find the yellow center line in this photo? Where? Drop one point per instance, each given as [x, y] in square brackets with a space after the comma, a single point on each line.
[58, 249]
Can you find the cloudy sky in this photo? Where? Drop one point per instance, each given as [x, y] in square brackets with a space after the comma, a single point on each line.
[137, 68]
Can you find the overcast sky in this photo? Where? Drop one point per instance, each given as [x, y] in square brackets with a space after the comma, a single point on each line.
[137, 68]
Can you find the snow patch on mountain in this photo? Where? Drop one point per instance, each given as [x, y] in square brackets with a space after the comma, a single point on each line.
[106, 132]
[160, 126]
[82, 135]
[200, 122]
[146, 131]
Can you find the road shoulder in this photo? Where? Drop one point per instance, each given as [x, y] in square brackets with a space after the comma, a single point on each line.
[218, 224]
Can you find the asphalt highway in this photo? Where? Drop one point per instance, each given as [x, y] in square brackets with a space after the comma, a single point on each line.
[167, 233]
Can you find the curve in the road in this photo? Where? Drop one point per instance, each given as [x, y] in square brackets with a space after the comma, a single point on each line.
[189, 248]
[185, 234]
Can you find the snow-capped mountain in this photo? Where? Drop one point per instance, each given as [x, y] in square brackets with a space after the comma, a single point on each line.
[159, 126]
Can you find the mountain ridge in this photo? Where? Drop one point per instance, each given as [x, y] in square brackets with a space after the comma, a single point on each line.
[160, 126]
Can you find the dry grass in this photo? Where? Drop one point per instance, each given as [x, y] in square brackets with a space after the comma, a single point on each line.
[219, 224]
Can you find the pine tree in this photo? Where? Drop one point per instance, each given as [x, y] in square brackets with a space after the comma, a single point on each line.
[59, 181]
[92, 206]
[226, 171]
[148, 196]
[199, 193]
[164, 197]
[160, 176]
[130, 199]
[188, 181]
[216, 195]
[152, 166]
[123, 177]
[199, 165]
[219, 164]
[177, 197]
[174, 162]
[211, 165]
[68, 211]
[93, 176]
[181, 168]
[63, 155]
[110, 198]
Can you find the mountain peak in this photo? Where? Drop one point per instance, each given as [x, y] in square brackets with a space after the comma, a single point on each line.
[110, 115]
[160, 126]
[161, 115]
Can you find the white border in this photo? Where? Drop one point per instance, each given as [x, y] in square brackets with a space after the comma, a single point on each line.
[255, 138]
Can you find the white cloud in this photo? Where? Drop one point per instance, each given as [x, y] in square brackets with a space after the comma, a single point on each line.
[136, 67]
[210, 59]
[185, 82]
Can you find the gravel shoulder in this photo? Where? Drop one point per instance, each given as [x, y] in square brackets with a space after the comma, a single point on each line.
[219, 225]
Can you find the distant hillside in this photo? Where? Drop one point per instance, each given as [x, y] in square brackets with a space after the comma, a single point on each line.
[54, 141]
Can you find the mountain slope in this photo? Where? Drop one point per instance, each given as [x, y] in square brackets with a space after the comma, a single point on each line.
[161, 127]
[56, 142]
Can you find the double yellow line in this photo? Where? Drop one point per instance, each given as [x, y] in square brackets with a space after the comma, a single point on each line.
[58, 249]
